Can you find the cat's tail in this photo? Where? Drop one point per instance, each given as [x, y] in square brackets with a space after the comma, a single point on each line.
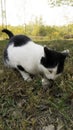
[8, 32]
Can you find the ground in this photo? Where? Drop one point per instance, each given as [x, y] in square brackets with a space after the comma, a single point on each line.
[27, 106]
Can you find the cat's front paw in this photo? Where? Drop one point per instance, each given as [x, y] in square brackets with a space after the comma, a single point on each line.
[47, 83]
[29, 79]
[44, 82]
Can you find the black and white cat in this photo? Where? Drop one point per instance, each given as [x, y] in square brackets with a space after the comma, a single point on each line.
[30, 58]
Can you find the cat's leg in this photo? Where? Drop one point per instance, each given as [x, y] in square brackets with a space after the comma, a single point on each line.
[26, 76]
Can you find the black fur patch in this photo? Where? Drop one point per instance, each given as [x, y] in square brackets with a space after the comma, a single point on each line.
[20, 68]
[52, 59]
[60, 66]
[5, 55]
[19, 40]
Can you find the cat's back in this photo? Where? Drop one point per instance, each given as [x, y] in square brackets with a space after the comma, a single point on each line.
[23, 42]
[20, 48]
[19, 40]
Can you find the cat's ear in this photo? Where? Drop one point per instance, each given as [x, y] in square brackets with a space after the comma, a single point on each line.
[43, 61]
[65, 53]
[46, 50]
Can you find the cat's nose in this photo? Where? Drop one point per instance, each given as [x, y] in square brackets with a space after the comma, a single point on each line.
[66, 52]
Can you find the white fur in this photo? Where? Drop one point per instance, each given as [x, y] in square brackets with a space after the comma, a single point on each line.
[27, 56]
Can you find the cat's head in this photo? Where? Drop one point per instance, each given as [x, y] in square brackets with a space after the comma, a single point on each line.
[53, 62]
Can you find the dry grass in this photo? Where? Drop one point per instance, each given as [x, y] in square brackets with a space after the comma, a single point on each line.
[26, 106]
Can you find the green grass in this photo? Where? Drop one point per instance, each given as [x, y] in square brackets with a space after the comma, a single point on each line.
[26, 106]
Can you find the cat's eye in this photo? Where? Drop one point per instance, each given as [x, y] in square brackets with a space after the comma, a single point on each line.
[50, 71]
